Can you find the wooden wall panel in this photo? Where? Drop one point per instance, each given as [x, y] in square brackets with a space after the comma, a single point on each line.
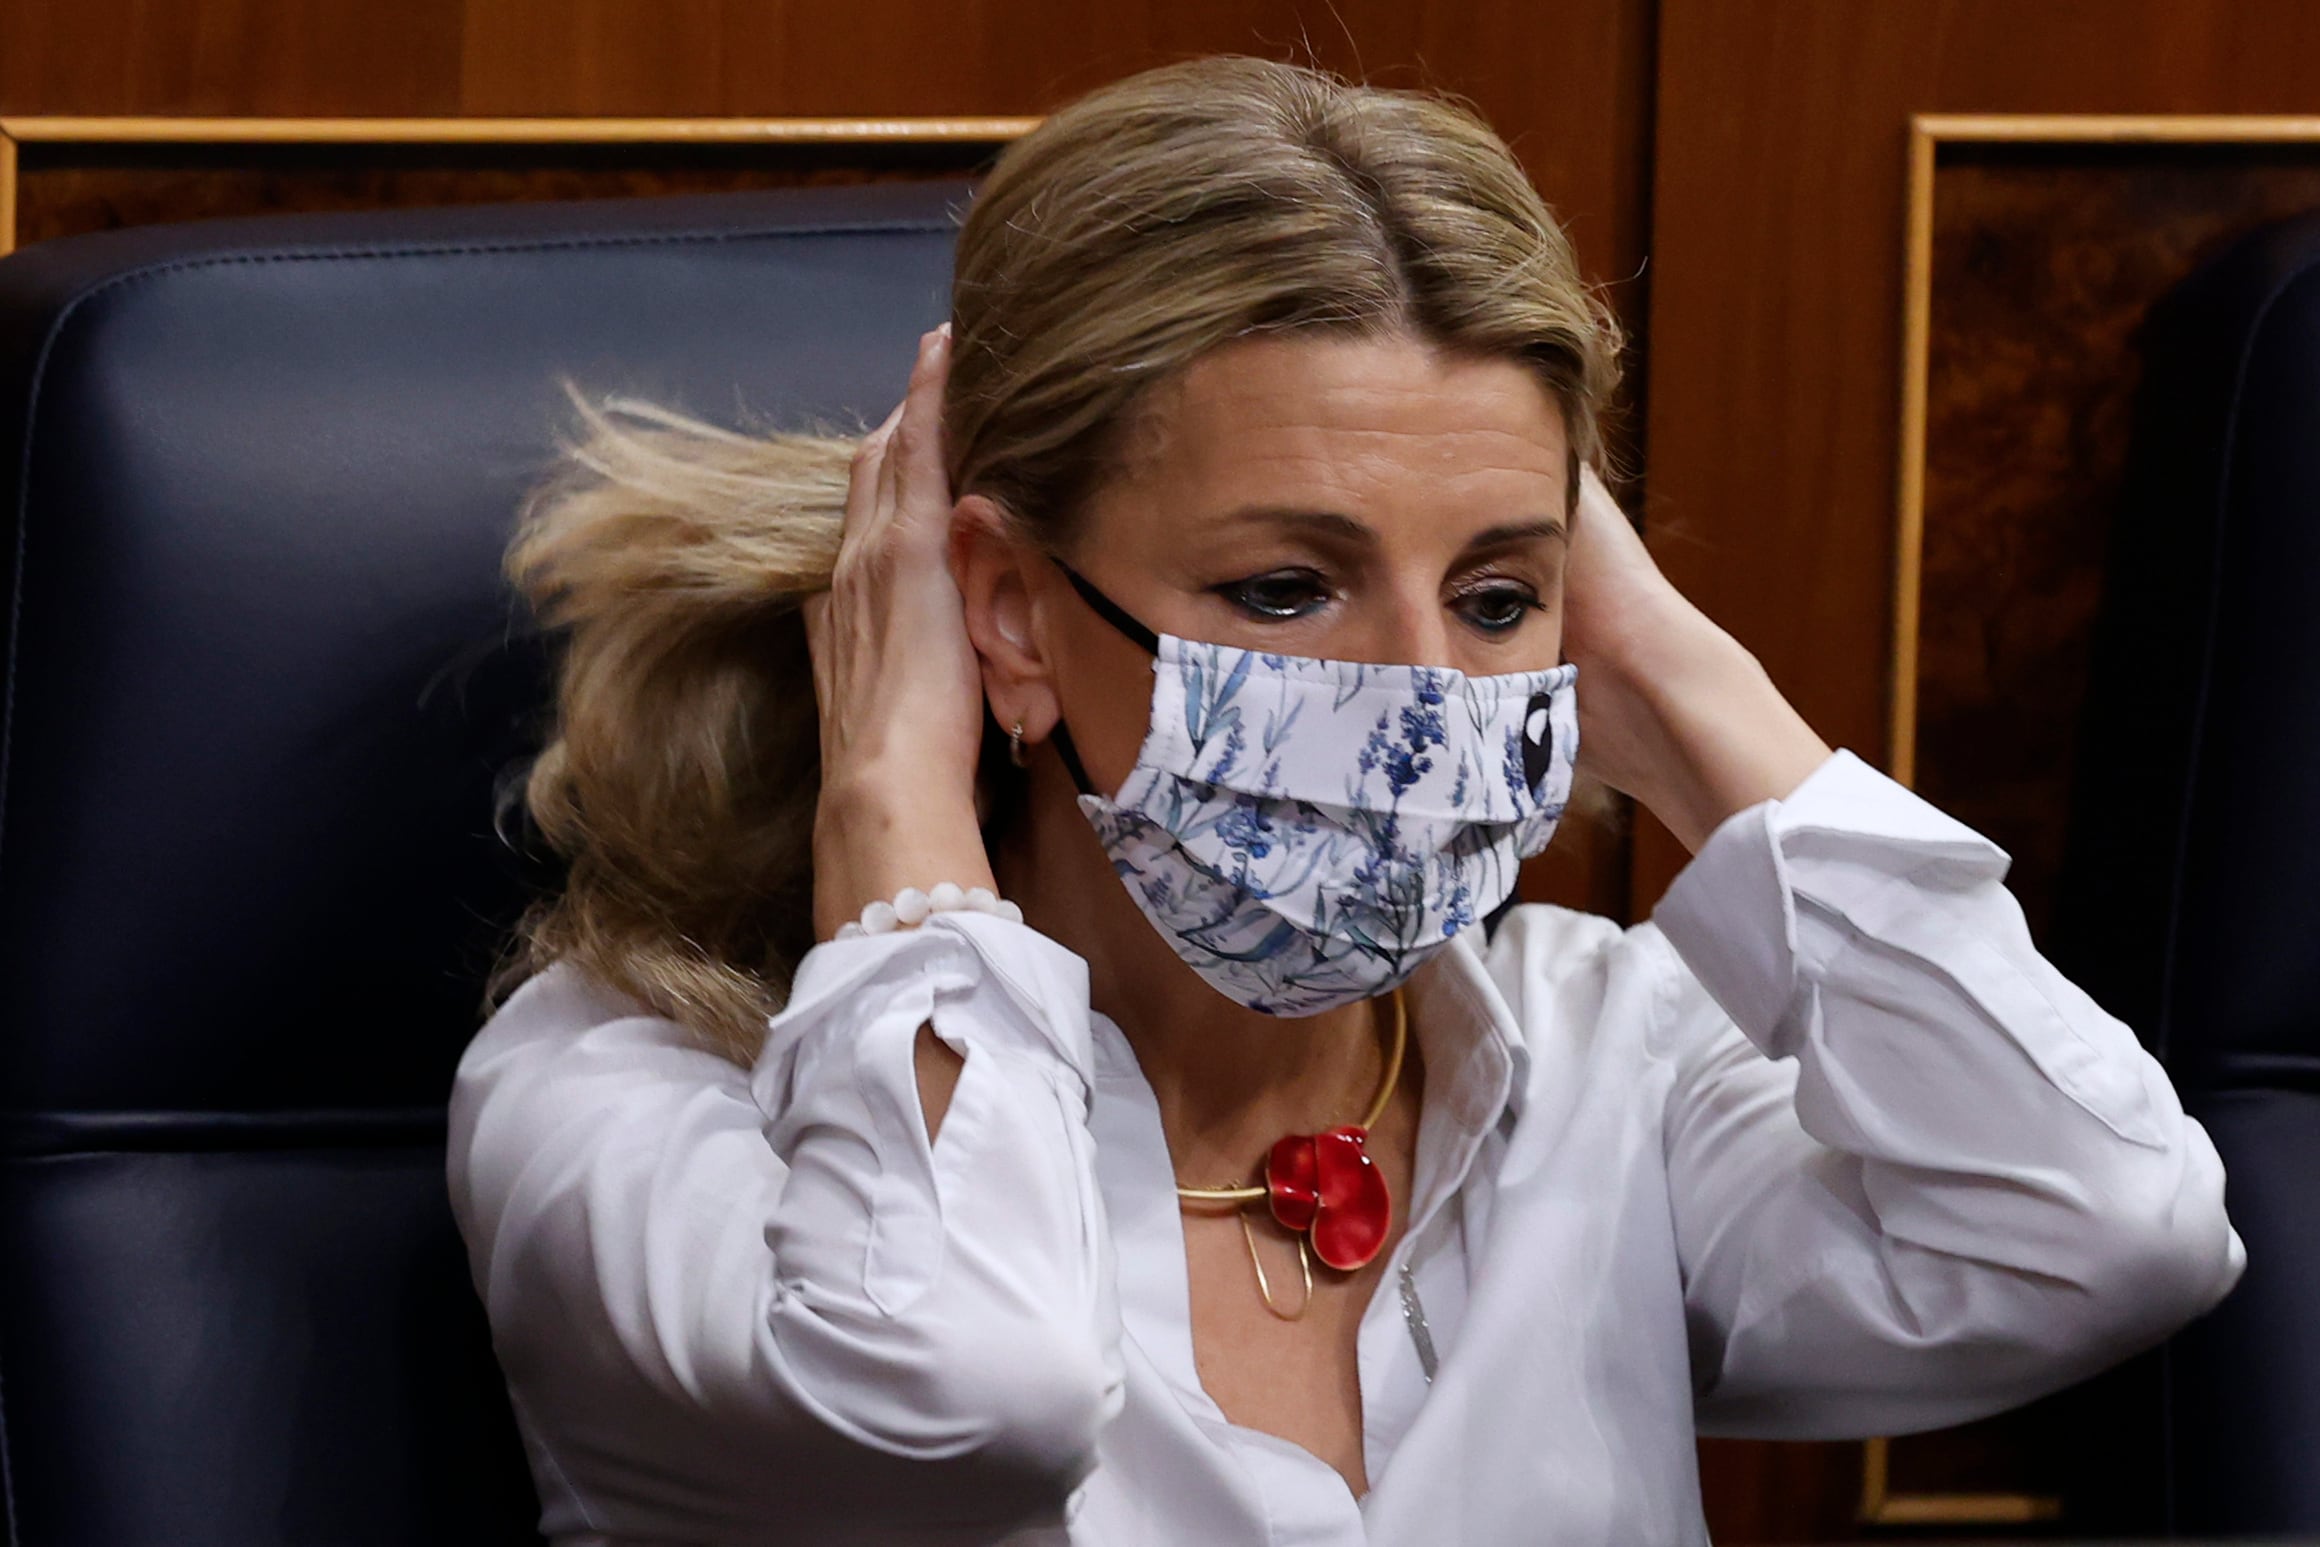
[1567, 80]
[1776, 290]
[224, 57]
[1775, 352]
[63, 189]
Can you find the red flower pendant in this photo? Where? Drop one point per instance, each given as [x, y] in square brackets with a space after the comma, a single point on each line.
[1326, 1185]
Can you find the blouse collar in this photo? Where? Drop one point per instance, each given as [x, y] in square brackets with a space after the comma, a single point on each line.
[1475, 1065]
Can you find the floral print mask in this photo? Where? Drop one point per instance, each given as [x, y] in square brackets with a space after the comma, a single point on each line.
[1306, 833]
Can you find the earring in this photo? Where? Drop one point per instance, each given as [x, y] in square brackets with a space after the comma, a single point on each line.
[1015, 746]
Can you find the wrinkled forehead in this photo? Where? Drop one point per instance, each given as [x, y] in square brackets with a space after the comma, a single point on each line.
[1388, 434]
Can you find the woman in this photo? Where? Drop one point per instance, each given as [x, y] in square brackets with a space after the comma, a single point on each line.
[1092, 1111]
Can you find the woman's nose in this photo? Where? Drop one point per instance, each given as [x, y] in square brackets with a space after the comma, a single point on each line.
[1408, 628]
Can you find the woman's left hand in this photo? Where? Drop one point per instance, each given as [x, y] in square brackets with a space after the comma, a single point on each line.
[1672, 710]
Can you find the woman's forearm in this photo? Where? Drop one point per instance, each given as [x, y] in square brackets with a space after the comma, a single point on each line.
[1916, 1174]
[726, 1276]
[1717, 736]
[873, 836]
[1672, 709]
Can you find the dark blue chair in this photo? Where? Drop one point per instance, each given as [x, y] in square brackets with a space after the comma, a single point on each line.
[261, 680]
[2190, 903]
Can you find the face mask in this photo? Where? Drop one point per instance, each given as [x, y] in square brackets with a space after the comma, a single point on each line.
[1307, 833]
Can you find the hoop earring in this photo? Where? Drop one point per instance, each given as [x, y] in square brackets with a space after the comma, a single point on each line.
[1015, 746]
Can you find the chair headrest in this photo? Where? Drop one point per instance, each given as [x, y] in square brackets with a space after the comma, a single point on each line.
[262, 673]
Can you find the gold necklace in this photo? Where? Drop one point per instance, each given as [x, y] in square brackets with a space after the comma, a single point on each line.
[1323, 1187]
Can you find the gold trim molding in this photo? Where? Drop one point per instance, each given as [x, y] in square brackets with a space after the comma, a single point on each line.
[1881, 1506]
[17, 132]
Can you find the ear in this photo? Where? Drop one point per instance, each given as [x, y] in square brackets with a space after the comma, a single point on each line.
[993, 571]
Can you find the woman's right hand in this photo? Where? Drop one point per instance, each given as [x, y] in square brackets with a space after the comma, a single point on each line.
[900, 689]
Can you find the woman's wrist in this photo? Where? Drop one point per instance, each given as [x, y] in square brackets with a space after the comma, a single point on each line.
[1722, 736]
[875, 837]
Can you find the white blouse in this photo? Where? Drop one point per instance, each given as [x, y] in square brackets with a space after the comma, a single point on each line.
[1824, 1149]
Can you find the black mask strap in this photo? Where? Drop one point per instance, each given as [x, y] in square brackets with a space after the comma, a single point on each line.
[1070, 755]
[1108, 610]
[1137, 634]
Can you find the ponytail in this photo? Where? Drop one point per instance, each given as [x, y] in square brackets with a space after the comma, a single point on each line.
[680, 780]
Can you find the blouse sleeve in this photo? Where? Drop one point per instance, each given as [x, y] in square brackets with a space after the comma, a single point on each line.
[1917, 1175]
[727, 1297]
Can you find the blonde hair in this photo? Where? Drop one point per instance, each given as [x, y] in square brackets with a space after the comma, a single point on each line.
[1127, 235]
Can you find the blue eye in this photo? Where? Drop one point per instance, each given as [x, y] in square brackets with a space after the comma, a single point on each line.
[1499, 609]
[1277, 597]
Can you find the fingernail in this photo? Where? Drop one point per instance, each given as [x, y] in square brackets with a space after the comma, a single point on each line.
[945, 331]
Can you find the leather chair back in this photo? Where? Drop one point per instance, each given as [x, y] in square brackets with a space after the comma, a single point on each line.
[261, 680]
[2191, 898]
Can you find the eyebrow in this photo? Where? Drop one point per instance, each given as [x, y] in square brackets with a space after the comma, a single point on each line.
[1344, 528]
[1321, 523]
[1521, 531]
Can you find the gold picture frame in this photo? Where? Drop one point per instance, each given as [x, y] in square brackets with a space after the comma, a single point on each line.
[49, 132]
[1881, 1506]
[1929, 134]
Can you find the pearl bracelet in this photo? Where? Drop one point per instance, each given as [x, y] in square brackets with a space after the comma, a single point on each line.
[912, 907]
